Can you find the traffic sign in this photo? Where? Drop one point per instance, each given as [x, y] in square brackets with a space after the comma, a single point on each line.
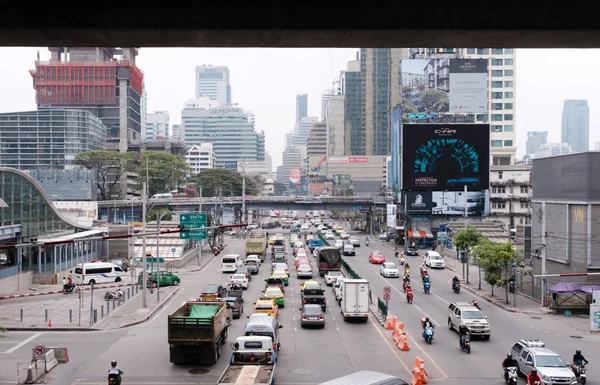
[152, 260]
[38, 352]
[173, 249]
[171, 263]
[387, 290]
[193, 221]
[386, 297]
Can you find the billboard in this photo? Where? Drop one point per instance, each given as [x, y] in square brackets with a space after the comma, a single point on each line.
[317, 165]
[444, 85]
[396, 139]
[295, 175]
[391, 216]
[445, 157]
[455, 202]
[350, 159]
[231, 166]
[419, 202]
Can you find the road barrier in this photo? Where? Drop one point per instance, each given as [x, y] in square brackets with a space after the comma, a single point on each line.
[419, 372]
[383, 307]
[61, 354]
[51, 360]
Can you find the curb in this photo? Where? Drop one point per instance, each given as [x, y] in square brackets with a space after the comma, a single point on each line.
[206, 262]
[151, 314]
[13, 296]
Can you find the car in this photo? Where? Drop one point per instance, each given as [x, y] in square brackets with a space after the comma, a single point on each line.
[246, 271]
[280, 266]
[383, 236]
[314, 294]
[433, 259]
[464, 313]
[239, 279]
[160, 278]
[552, 369]
[329, 235]
[304, 271]
[281, 274]
[277, 249]
[275, 294]
[312, 315]
[236, 304]
[389, 270]
[302, 256]
[253, 264]
[302, 261]
[354, 241]
[309, 282]
[376, 257]
[252, 226]
[275, 281]
[411, 251]
[266, 306]
[348, 249]
[331, 276]
[212, 292]
[344, 235]
[339, 244]
[123, 263]
[301, 253]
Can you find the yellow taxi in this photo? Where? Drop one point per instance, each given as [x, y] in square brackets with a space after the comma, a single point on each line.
[339, 230]
[266, 306]
[277, 239]
[283, 275]
[275, 294]
[309, 283]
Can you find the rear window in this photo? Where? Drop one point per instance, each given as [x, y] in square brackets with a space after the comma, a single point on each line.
[274, 281]
[313, 291]
[78, 270]
[210, 290]
[253, 345]
[257, 333]
[264, 305]
[312, 310]
[251, 263]
[228, 260]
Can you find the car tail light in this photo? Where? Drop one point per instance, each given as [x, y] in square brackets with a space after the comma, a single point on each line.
[232, 281]
[274, 348]
[236, 308]
[244, 281]
[321, 318]
[269, 353]
[304, 317]
[324, 300]
[304, 300]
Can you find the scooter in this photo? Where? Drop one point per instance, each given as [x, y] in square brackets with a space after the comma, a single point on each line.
[117, 295]
[513, 377]
[409, 297]
[465, 343]
[71, 289]
[114, 379]
[428, 334]
[401, 259]
[366, 242]
[456, 287]
[580, 373]
[427, 287]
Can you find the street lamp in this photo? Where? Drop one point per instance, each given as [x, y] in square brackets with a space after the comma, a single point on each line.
[157, 246]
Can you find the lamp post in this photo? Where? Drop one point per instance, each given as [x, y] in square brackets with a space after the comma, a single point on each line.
[157, 245]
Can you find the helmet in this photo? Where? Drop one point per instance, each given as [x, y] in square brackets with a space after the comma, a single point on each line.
[577, 351]
[426, 319]
[113, 363]
[508, 355]
[533, 371]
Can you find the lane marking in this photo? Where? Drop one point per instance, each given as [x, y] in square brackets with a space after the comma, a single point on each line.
[444, 375]
[23, 343]
[392, 348]
[165, 305]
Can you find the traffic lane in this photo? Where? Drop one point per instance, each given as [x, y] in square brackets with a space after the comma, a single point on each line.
[15, 347]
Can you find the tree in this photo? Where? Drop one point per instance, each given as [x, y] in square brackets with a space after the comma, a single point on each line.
[155, 214]
[165, 171]
[353, 217]
[255, 181]
[434, 101]
[465, 240]
[215, 180]
[507, 255]
[109, 167]
[486, 252]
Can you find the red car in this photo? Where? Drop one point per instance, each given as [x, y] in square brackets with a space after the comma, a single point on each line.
[376, 257]
[302, 261]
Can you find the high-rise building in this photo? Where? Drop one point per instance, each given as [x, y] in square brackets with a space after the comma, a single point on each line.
[301, 106]
[553, 149]
[317, 140]
[354, 133]
[226, 127]
[576, 125]
[143, 109]
[200, 157]
[104, 81]
[176, 133]
[535, 139]
[335, 126]
[597, 146]
[269, 161]
[291, 158]
[326, 96]
[213, 81]
[302, 130]
[157, 125]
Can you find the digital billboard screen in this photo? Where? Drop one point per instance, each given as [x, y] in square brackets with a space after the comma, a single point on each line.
[445, 157]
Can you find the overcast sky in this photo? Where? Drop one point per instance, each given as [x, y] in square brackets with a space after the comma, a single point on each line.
[266, 81]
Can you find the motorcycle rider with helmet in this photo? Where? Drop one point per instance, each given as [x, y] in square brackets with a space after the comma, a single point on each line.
[507, 363]
[534, 378]
[578, 359]
[367, 241]
[115, 372]
[406, 281]
[474, 303]
[427, 323]
[463, 331]
[455, 282]
[409, 290]
[426, 279]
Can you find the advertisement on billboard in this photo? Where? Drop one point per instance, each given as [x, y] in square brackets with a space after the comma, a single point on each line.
[317, 165]
[391, 216]
[419, 202]
[350, 159]
[231, 166]
[396, 134]
[444, 85]
[295, 175]
[445, 157]
[455, 202]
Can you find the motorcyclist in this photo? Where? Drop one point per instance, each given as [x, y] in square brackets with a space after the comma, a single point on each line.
[463, 331]
[267, 234]
[64, 283]
[534, 378]
[474, 303]
[114, 371]
[423, 269]
[578, 359]
[507, 363]
[427, 323]
[409, 290]
[367, 241]
[406, 282]
[407, 270]
[70, 284]
[426, 279]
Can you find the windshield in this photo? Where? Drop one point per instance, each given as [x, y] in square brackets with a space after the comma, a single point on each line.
[264, 306]
[228, 260]
[389, 266]
[436, 257]
[472, 314]
[273, 292]
[312, 310]
[335, 274]
[549, 362]
[239, 276]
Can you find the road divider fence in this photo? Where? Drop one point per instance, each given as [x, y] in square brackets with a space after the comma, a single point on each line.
[419, 374]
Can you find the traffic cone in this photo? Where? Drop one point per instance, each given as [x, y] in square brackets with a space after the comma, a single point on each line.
[49, 323]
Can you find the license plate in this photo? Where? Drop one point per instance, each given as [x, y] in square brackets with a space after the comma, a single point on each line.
[229, 266]
[313, 318]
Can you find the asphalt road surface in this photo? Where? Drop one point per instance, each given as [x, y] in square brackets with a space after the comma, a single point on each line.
[308, 356]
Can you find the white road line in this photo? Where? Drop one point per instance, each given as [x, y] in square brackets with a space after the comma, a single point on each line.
[338, 329]
[295, 329]
[293, 318]
[23, 343]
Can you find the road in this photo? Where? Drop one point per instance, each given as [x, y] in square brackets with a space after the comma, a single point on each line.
[483, 364]
[308, 356]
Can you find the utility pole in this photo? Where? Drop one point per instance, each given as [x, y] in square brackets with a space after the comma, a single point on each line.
[243, 192]
[200, 242]
[543, 249]
[148, 187]
[144, 272]
[466, 223]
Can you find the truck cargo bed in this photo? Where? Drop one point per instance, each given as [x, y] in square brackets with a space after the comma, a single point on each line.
[247, 374]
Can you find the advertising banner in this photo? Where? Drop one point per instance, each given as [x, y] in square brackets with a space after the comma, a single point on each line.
[350, 159]
[419, 202]
[295, 175]
[231, 166]
[455, 202]
[317, 165]
[391, 216]
[431, 86]
[445, 157]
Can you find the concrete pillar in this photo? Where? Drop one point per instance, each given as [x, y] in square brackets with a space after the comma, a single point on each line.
[39, 258]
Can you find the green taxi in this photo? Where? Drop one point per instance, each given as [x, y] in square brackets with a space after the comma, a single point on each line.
[160, 278]
[275, 294]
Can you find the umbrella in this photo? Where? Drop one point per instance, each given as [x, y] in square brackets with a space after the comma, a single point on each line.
[565, 287]
[589, 289]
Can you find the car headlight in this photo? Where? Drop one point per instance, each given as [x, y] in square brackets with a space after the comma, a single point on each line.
[545, 378]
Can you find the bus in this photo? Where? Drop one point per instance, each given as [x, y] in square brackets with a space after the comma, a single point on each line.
[98, 272]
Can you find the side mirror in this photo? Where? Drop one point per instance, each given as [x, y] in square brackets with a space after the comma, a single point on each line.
[485, 317]
[279, 327]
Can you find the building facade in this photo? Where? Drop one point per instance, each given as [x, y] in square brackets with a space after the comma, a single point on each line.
[213, 82]
[326, 96]
[354, 136]
[317, 140]
[361, 168]
[49, 138]
[291, 158]
[157, 125]
[535, 140]
[176, 133]
[576, 125]
[301, 106]
[335, 126]
[302, 130]
[553, 149]
[510, 195]
[201, 157]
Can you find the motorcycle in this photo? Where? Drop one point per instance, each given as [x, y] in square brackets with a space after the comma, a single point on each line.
[465, 343]
[427, 287]
[114, 379]
[401, 259]
[409, 297]
[512, 378]
[405, 283]
[579, 371]
[117, 295]
[71, 289]
[428, 334]
[366, 242]
[456, 287]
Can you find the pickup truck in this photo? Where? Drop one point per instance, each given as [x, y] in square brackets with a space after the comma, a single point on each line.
[314, 243]
[196, 332]
[314, 294]
[253, 361]
[328, 259]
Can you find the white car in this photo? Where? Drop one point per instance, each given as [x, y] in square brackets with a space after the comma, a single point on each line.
[239, 279]
[339, 244]
[316, 252]
[280, 266]
[332, 276]
[383, 236]
[434, 260]
[344, 235]
[354, 241]
[252, 226]
[329, 235]
[253, 257]
[301, 253]
[304, 271]
[389, 270]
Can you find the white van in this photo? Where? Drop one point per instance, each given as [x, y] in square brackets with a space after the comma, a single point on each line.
[231, 262]
[162, 196]
[98, 272]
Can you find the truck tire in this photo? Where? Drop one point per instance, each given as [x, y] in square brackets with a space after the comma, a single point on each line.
[224, 336]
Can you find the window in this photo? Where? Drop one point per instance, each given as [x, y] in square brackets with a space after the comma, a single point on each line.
[497, 51]
[500, 174]
[509, 95]
[509, 83]
[508, 62]
[524, 190]
[509, 73]
[496, 106]
[496, 84]
[508, 143]
[508, 106]
[499, 205]
[517, 348]
[496, 117]
[508, 51]
[496, 128]
[497, 73]
[508, 128]
[496, 95]
[508, 116]
[470, 51]
[496, 62]
[499, 190]
[496, 143]
[524, 205]
[483, 51]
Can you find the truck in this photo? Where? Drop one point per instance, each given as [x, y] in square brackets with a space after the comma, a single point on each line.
[196, 332]
[355, 299]
[252, 361]
[329, 258]
[314, 243]
[256, 244]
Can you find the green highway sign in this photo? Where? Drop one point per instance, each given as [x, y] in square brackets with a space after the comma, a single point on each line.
[193, 221]
[152, 260]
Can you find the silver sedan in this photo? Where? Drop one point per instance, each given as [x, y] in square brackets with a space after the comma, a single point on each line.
[312, 315]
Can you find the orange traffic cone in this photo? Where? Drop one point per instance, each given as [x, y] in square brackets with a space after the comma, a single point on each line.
[49, 323]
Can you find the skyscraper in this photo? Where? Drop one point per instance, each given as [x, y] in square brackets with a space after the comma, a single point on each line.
[535, 139]
[157, 125]
[325, 98]
[213, 81]
[576, 125]
[354, 133]
[301, 106]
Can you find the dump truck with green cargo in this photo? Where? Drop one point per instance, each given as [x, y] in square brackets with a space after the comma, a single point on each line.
[256, 244]
[196, 332]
